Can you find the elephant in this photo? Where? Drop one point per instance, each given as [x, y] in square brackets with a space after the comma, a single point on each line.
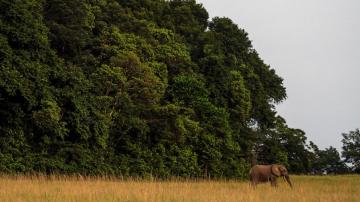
[266, 173]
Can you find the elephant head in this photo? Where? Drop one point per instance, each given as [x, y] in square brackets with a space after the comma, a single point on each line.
[266, 173]
[281, 171]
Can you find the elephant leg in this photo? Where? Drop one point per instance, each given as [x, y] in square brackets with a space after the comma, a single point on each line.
[253, 181]
[273, 181]
[253, 184]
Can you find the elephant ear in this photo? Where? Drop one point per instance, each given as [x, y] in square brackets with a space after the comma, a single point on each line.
[275, 170]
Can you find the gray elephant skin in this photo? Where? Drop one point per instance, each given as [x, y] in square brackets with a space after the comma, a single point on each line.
[268, 173]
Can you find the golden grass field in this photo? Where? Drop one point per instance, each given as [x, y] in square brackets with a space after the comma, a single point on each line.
[306, 188]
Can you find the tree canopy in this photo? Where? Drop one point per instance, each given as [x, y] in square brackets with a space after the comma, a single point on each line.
[351, 148]
[137, 88]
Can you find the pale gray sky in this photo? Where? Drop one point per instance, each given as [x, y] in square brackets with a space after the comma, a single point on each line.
[315, 46]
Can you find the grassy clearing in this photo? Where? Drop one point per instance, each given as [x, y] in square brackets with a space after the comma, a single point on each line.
[306, 188]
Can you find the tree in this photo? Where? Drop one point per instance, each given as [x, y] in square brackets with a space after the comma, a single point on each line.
[136, 87]
[327, 160]
[351, 148]
[284, 145]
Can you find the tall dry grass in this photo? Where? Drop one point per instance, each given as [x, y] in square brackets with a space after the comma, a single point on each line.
[306, 188]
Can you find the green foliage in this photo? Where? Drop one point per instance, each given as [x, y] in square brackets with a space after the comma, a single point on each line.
[136, 88]
[351, 145]
[240, 97]
[284, 145]
[327, 161]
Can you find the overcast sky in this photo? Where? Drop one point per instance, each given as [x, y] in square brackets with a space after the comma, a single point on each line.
[314, 45]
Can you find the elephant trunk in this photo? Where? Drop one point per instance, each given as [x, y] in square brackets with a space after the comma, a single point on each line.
[287, 178]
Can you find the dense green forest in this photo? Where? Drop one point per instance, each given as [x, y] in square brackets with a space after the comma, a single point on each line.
[139, 88]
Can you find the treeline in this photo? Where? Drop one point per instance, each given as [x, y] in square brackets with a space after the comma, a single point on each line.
[137, 88]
